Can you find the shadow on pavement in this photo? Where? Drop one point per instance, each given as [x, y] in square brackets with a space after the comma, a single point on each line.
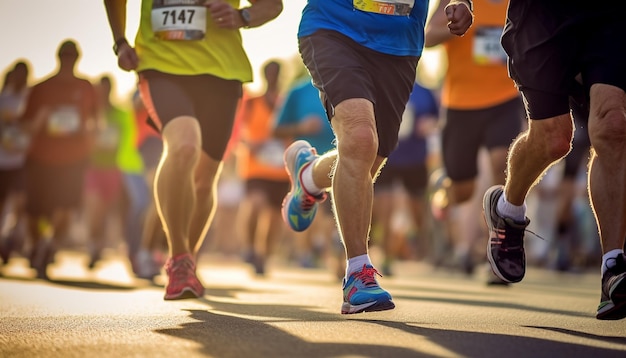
[477, 344]
[609, 339]
[221, 335]
[223, 331]
[493, 304]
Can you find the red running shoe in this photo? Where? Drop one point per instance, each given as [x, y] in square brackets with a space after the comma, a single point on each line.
[182, 279]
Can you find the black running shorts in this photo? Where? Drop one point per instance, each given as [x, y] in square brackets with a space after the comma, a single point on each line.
[211, 100]
[550, 42]
[466, 131]
[342, 69]
[414, 179]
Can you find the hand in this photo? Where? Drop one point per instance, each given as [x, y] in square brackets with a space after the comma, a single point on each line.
[127, 58]
[224, 15]
[460, 18]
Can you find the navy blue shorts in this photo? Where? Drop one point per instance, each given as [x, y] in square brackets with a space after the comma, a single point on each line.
[341, 69]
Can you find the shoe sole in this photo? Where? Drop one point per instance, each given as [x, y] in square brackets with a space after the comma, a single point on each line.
[288, 158]
[490, 224]
[375, 306]
[186, 293]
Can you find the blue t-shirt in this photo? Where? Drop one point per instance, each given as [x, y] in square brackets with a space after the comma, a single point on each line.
[302, 101]
[390, 34]
[412, 148]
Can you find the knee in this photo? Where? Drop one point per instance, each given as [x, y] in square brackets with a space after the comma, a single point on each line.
[559, 146]
[555, 139]
[183, 155]
[355, 126]
[361, 143]
[608, 130]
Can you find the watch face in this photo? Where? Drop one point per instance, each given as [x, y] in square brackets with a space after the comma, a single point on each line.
[245, 15]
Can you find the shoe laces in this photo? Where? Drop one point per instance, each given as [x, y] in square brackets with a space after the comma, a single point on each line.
[308, 201]
[367, 275]
[515, 236]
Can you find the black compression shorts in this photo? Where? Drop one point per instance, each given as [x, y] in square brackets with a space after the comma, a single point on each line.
[550, 42]
[211, 100]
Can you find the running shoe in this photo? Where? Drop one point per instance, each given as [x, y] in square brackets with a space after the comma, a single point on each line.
[361, 293]
[505, 249]
[183, 282]
[613, 299]
[299, 207]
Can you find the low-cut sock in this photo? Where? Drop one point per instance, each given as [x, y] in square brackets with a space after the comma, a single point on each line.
[356, 263]
[508, 210]
[608, 259]
[307, 181]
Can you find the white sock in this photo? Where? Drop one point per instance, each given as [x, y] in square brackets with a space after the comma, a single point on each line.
[356, 263]
[307, 180]
[608, 259]
[508, 210]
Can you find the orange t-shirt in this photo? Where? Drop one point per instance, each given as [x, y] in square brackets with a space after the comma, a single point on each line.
[63, 137]
[477, 75]
[260, 155]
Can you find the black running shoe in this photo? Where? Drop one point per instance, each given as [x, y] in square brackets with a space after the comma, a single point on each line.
[505, 249]
[613, 300]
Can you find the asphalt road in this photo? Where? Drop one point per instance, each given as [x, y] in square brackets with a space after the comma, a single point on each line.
[294, 312]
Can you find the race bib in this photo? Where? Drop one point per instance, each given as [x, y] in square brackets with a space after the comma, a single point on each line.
[179, 19]
[63, 121]
[271, 154]
[14, 139]
[487, 49]
[385, 7]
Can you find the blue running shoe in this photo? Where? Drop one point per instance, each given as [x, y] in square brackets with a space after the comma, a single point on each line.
[299, 206]
[361, 293]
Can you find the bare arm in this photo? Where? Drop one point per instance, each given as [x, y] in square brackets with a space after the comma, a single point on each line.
[227, 17]
[116, 13]
[437, 28]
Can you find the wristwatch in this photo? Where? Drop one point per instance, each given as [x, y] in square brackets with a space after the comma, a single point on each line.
[245, 16]
[119, 42]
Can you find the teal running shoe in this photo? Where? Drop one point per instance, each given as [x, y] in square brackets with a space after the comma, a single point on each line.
[361, 293]
[299, 206]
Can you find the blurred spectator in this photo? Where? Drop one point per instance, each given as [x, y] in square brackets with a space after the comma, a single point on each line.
[260, 164]
[481, 109]
[152, 245]
[302, 116]
[103, 178]
[61, 112]
[406, 167]
[13, 146]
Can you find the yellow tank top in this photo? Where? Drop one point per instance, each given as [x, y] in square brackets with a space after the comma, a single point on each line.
[477, 75]
[179, 37]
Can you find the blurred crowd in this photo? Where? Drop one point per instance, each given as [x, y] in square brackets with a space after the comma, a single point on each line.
[86, 185]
